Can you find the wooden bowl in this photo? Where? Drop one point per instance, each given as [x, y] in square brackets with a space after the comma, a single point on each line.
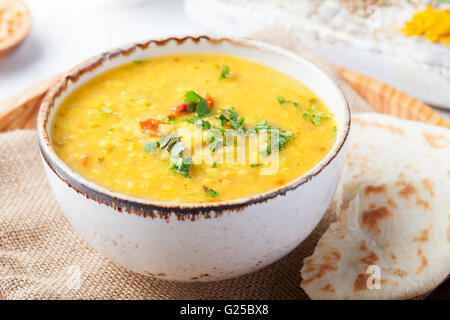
[7, 46]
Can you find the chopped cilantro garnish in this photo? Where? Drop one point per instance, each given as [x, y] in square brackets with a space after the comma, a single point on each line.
[177, 149]
[210, 192]
[232, 113]
[281, 100]
[151, 146]
[216, 138]
[214, 165]
[170, 119]
[179, 162]
[315, 116]
[225, 73]
[197, 103]
[165, 140]
[231, 117]
[277, 140]
[204, 124]
[254, 165]
[190, 97]
[108, 111]
[310, 114]
[296, 104]
[222, 119]
[140, 61]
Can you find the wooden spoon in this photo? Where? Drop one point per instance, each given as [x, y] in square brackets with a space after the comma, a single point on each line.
[8, 45]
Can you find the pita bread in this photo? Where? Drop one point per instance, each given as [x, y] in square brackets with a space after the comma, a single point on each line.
[393, 212]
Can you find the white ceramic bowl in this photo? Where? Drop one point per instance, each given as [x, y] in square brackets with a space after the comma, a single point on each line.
[196, 241]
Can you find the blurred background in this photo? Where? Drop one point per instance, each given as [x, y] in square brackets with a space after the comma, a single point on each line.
[363, 35]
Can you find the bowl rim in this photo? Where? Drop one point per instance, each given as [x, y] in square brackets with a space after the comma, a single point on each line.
[146, 207]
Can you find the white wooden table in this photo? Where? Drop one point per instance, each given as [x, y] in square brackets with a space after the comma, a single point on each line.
[65, 33]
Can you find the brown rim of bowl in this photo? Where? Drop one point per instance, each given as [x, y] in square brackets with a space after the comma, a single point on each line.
[145, 207]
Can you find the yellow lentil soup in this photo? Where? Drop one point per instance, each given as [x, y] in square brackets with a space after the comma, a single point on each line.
[133, 128]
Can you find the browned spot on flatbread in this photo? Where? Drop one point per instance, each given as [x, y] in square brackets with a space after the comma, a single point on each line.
[423, 203]
[423, 259]
[363, 246]
[318, 270]
[375, 189]
[423, 237]
[448, 173]
[436, 141]
[360, 283]
[393, 256]
[448, 234]
[390, 128]
[407, 191]
[333, 255]
[392, 203]
[370, 259]
[428, 185]
[401, 272]
[371, 218]
[328, 288]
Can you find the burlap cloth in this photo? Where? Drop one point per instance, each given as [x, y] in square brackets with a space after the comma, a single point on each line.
[41, 257]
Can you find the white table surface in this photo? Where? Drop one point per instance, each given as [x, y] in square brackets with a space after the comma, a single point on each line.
[66, 32]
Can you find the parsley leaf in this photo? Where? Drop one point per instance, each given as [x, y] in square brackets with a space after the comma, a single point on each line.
[165, 140]
[254, 165]
[315, 116]
[210, 192]
[232, 113]
[108, 111]
[310, 114]
[281, 100]
[231, 117]
[151, 146]
[204, 124]
[225, 73]
[214, 165]
[197, 103]
[190, 97]
[277, 140]
[222, 119]
[179, 162]
[171, 119]
[216, 138]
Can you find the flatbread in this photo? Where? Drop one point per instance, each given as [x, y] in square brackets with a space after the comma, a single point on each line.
[393, 212]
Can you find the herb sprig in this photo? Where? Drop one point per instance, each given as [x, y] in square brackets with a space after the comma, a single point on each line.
[210, 192]
[225, 73]
[312, 114]
[108, 111]
[179, 161]
[196, 103]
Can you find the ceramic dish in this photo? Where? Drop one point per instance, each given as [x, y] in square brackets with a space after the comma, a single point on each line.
[196, 241]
